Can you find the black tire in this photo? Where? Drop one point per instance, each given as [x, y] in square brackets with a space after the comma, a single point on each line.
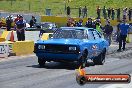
[99, 60]
[41, 62]
[81, 80]
[83, 59]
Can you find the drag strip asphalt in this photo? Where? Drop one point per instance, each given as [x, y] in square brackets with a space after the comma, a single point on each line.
[24, 72]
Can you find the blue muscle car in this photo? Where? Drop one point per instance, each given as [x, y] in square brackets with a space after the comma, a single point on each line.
[72, 44]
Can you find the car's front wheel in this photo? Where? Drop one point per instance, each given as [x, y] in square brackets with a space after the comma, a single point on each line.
[99, 60]
[83, 59]
[41, 62]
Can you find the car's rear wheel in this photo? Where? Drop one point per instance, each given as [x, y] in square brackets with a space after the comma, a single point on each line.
[41, 62]
[100, 60]
[83, 59]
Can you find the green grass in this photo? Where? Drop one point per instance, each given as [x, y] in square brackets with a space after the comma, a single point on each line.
[58, 6]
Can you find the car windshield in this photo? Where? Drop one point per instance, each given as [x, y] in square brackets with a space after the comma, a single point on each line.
[69, 33]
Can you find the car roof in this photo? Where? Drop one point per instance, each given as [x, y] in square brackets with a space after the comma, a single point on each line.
[85, 28]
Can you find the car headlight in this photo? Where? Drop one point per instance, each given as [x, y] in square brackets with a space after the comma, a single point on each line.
[72, 48]
[41, 46]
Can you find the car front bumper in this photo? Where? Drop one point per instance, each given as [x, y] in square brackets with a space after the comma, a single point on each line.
[58, 56]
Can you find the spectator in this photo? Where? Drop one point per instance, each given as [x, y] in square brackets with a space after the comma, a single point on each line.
[113, 14]
[70, 22]
[3, 21]
[109, 13]
[130, 14]
[32, 21]
[20, 29]
[108, 29]
[94, 24]
[118, 14]
[16, 18]
[104, 13]
[98, 25]
[123, 27]
[79, 24]
[125, 13]
[8, 23]
[89, 23]
[98, 12]
[85, 11]
[75, 23]
[80, 11]
[117, 32]
[68, 11]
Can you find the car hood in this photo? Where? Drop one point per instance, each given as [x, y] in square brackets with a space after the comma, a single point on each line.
[61, 41]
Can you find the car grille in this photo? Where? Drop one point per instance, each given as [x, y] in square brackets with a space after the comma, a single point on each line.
[52, 48]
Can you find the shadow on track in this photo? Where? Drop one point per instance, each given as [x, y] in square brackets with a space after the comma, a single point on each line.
[61, 65]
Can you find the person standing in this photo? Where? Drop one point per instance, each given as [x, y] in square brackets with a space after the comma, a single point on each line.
[80, 11]
[70, 22]
[16, 19]
[113, 14]
[118, 14]
[109, 13]
[75, 23]
[118, 32]
[130, 14]
[125, 13]
[94, 24]
[98, 25]
[98, 12]
[79, 24]
[68, 11]
[104, 13]
[85, 11]
[108, 29]
[8, 23]
[20, 29]
[89, 23]
[32, 21]
[123, 27]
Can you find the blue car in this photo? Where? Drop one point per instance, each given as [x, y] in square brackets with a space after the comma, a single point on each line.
[72, 44]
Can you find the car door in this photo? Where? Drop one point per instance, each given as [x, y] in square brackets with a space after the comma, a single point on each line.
[98, 41]
[92, 44]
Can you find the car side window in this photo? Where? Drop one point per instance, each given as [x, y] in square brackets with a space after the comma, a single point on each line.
[85, 34]
[96, 35]
[90, 35]
[100, 35]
